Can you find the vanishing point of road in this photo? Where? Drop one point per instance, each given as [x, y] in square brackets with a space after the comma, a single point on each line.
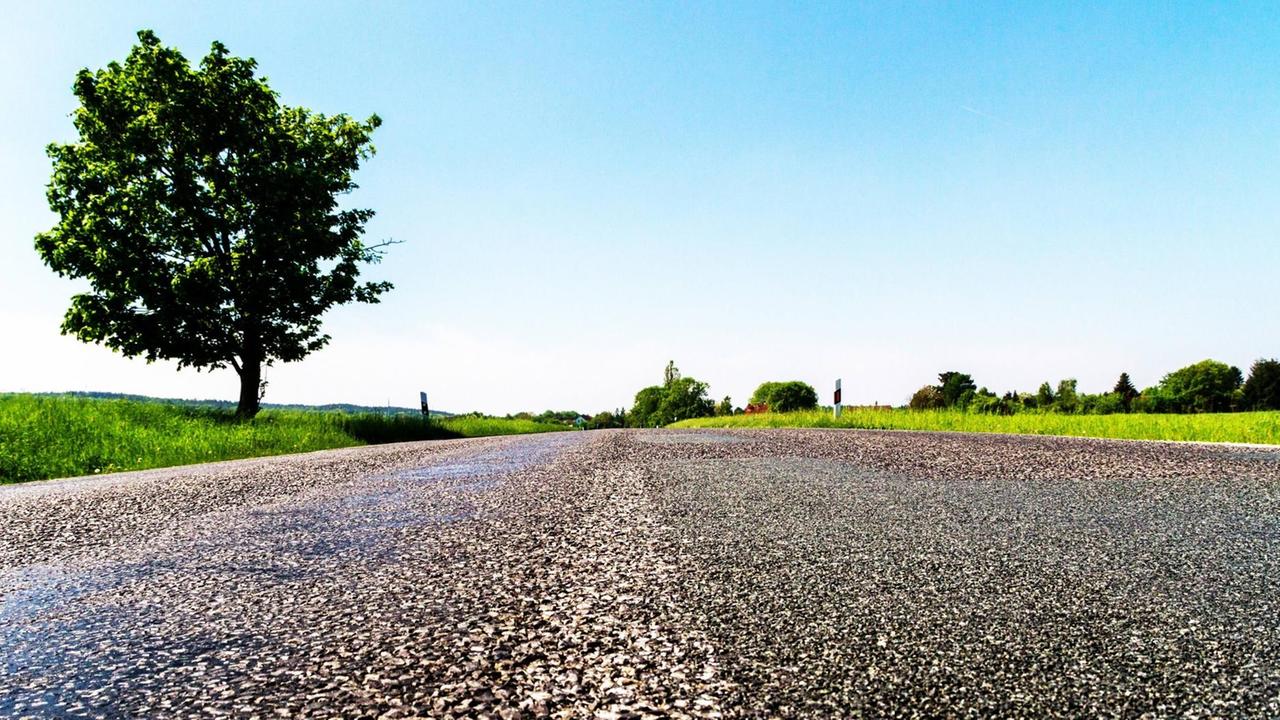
[804, 573]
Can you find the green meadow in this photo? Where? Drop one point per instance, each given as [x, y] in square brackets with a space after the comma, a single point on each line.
[59, 436]
[1242, 427]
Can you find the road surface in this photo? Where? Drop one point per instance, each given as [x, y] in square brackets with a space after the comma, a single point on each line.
[652, 574]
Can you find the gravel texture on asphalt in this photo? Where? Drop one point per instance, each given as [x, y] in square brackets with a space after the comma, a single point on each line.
[761, 573]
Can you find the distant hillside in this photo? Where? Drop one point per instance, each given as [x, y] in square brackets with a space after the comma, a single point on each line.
[332, 407]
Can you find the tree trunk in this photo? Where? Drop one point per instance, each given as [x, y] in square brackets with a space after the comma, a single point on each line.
[250, 388]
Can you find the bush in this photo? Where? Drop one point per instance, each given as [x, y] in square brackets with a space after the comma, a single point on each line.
[1102, 404]
[786, 396]
[928, 397]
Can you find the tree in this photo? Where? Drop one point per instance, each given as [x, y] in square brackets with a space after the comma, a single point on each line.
[644, 413]
[671, 374]
[955, 386]
[1207, 386]
[203, 214]
[685, 398]
[725, 407]
[604, 420]
[1125, 390]
[928, 397]
[1262, 389]
[786, 396]
[678, 398]
[1044, 396]
[1068, 399]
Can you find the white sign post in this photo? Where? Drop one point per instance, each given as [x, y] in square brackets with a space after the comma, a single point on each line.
[426, 411]
[838, 405]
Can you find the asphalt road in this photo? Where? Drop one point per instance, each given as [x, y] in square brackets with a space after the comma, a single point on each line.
[651, 573]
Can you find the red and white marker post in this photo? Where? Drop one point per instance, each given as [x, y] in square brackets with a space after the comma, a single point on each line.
[838, 405]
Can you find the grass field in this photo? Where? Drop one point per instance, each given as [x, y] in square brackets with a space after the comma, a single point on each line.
[1251, 427]
[57, 436]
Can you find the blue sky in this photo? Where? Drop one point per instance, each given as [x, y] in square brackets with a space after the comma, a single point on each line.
[877, 192]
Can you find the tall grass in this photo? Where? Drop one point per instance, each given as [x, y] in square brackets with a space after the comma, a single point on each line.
[1250, 427]
[57, 436]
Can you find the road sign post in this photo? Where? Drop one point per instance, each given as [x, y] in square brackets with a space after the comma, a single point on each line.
[426, 410]
[838, 405]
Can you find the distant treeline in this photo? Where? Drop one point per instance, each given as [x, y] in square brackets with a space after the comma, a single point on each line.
[681, 398]
[1206, 386]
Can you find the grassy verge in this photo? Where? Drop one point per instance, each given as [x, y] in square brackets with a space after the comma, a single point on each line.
[51, 436]
[1251, 427]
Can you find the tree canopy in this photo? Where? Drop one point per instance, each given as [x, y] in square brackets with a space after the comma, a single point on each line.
[204, 214]
[956, 387]
[786, 396]
[1206, 386]
[1262, 389]
[928, 397]
[678, 398]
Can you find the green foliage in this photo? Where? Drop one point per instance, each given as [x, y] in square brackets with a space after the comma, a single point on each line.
[645, 411]
[1262, 389]
[1206, 386]
[557, 417]
[928, 397]
[1251, 427]
[957, 388]
[677, 398]
[1067, 399]
[45, 436]
[1045, 396]
[1103, 404]
[724, 407]
[604, 420]
[203, 214]
[685, 398]
[986, 403]
[1125, 392]
[786, 396]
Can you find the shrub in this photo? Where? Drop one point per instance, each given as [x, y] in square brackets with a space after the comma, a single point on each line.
[1102, 404]
[786, 396]
[928, 397]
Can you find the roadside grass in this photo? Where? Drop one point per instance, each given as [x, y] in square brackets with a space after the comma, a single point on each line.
[1247, 427]
[59, 436]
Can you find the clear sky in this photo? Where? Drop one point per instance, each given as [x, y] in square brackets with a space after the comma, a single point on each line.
[877, 192]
